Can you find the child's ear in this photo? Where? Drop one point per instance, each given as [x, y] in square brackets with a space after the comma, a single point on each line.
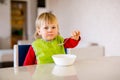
[39, 32]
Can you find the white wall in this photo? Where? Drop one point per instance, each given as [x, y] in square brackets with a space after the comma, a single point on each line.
[98, 21]
[32, 14]
[5, 27]
[5, 21]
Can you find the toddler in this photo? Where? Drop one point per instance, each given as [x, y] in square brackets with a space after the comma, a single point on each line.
[48, 40]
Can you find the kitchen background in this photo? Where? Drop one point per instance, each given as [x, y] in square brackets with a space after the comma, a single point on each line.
[98, 21]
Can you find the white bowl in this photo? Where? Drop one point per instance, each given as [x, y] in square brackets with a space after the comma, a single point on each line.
[64, 59]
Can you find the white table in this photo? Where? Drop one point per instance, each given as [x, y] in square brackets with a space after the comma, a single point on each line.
[102, 68]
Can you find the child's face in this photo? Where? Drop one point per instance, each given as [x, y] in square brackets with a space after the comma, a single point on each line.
[48, 31]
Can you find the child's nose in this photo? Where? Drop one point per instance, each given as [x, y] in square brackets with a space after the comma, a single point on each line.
[50, 29]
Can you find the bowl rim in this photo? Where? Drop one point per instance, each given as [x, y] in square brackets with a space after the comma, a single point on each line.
[69, 55]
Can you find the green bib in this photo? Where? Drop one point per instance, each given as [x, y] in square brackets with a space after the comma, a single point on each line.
[45, 49]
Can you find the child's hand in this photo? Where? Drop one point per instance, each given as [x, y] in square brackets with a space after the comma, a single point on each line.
[75, 35]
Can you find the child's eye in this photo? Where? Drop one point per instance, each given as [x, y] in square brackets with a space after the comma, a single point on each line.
[53, 27]
[46, 27]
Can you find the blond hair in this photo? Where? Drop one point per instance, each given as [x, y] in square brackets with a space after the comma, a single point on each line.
[44, 18]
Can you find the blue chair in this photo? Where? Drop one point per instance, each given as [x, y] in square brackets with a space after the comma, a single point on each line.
[20, 52]
[22, 49]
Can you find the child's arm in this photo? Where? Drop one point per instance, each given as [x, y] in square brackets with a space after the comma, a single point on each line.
[30, 57]
[73, 41]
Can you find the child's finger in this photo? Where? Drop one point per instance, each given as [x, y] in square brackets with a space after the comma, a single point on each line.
[76, 33]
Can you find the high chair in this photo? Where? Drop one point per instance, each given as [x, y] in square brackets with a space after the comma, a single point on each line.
[19, 55]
